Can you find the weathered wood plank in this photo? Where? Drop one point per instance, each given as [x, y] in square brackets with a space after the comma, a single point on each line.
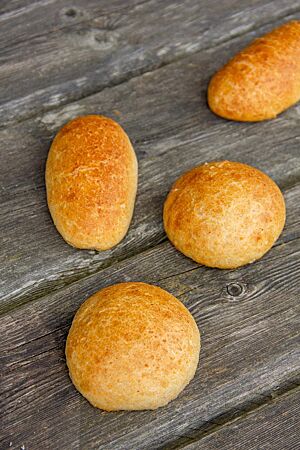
[8, 6]
[250, 349]
[97, 44]
[250, 342]
[21, 21]
[272, 427]
[166, 115]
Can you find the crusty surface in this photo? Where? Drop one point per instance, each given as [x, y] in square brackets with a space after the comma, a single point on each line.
[132, 346]
[262, 80]
[91, 181]
[224, 214]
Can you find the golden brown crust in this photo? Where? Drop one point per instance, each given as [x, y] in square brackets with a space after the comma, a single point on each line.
[224, 214]
[132, 346]
[91, 181]
[262, 80]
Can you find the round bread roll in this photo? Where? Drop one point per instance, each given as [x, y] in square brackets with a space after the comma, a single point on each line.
[224, 214]
[262, 80]
[91, 181]
[132, 346]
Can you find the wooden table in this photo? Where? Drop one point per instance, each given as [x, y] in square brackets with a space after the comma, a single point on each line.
[146, 64]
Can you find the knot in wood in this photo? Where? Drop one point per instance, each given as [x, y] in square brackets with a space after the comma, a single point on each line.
[72, 14]
[235, 289]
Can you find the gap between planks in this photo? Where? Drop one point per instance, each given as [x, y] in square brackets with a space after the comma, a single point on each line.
[185, 136]
[65, 281]
[249, 350]
[31, 7]
[127, 257]
[284, 392]
[155, 63]
[166, 143]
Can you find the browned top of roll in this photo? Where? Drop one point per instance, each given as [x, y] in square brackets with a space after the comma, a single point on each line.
[91, 180]
[132, 346]
[262, 80]
[224, 214]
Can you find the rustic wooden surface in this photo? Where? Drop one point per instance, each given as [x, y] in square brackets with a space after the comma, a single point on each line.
[147, 65]
[280, 418]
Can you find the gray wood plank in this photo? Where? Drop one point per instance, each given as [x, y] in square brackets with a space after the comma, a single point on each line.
[8, 6]
[250, 349]
[250, 341]
[51, 56]
[23, 20]
[166, 116]
[273, 427]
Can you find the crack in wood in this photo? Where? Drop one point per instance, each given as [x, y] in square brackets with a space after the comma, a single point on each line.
[71, 12]
[250, 353]
[66, 281]
[240, 412]
[239, 331]
[153, 66]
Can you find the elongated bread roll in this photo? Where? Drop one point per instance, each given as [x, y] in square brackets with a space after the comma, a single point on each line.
[132, 346]
[91, 181]
[262, 80]
[224, 214]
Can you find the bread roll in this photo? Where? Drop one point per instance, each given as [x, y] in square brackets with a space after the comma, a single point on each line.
[261, 81]
[91, 181]
[224, 214]
[132, 346]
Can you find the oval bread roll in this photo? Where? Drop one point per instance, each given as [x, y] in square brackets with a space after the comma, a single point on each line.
[224, 214]
[261, 81]
[132, 346]
[91, 181]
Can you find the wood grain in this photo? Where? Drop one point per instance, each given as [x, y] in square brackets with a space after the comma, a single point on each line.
[31, 19]
[146, 64]
[57, 51]
[173, 130]
[10, 6]
[273, 427]
[250, 348]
